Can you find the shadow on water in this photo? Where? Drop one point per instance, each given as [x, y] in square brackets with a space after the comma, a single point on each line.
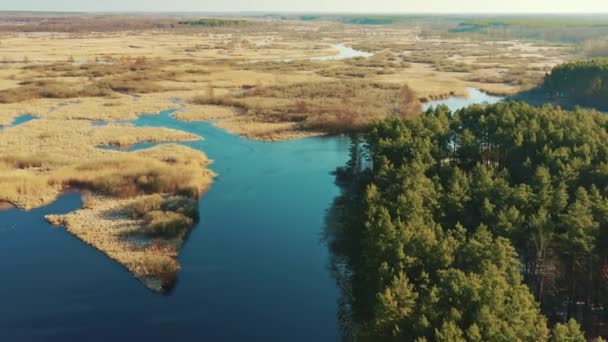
[339, 264]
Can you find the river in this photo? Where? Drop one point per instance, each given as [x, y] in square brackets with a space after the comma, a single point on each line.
[254, 267]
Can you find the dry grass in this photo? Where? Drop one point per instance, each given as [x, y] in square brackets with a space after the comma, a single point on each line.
[318, 107]
[131, 175]
[98, 109]
[269, 131]
[124, 135]
[205, 113]
[41, 157]
[70, 80]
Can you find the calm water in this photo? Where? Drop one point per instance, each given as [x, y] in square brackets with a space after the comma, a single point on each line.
[21, 119]
[253, 268]
[456, 103]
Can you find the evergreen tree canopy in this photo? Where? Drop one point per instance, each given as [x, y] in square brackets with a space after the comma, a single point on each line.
[583, 82]
[466, 224]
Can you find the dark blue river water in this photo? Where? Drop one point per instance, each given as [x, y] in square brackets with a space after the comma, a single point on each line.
[254, 268]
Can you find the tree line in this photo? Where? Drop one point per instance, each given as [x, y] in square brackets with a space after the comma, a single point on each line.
[487, 224]
[582, 82]
[213, 22]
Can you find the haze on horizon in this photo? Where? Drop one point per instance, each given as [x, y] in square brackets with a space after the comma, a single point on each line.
[346, 6]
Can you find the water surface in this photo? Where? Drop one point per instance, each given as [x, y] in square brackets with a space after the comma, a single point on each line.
[254, 268]
[457, 102]
[21, 119]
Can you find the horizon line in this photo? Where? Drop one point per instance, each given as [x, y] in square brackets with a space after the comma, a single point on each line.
[301, 12]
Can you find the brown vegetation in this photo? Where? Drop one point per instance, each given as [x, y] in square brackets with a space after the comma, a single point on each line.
[128, 76]
[205, 112]
[78, 22]
[325, 106]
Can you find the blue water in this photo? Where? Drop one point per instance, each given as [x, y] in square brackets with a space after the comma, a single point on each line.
[455, 102]
[253, 268]
[21, 119]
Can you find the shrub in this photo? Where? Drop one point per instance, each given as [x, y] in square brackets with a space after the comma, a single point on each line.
[162, 267]
[166, 224]
[145, 205]
[182, 205]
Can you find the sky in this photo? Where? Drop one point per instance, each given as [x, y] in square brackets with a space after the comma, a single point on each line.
[355, 6]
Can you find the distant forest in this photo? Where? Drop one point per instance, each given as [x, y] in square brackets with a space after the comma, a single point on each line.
[571, 29]
[487, 224]
[582, 82]
[587, 32]
[213, 22]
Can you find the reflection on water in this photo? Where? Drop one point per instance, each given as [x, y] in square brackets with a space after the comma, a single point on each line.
[454, 103]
